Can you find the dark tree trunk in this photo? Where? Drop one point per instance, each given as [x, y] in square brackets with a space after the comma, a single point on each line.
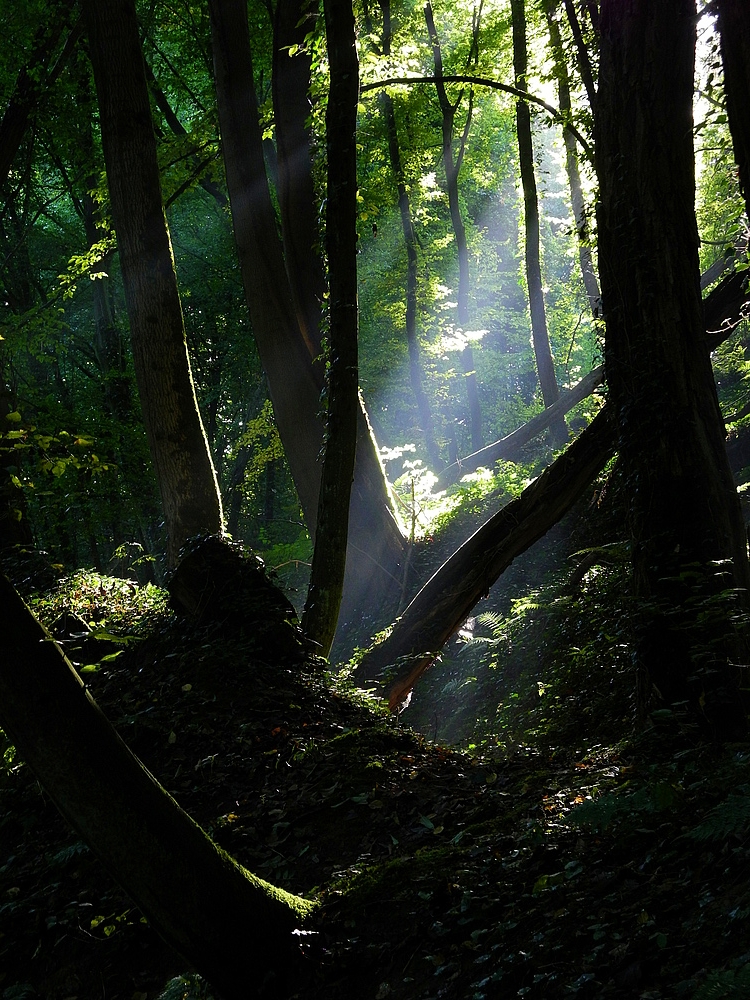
[416, 372]
[583, 56]
[685, 519]
[329, 556]
[509, 447]
[233, 927]
[298, 202]
[293, 385]
[545, 366]
[452, 165]
[184, 471]
[734, 31]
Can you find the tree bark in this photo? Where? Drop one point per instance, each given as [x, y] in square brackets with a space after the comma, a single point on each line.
[545, 366]
[507, 448]
[452, 164]
[233, 927]
[329, 556]
[184, 470]
[685, 521]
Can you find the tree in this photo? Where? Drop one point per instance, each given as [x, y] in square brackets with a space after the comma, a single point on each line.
[184, 470]
[687, 531]
[452, 164]
[734, 33]
[539, 334]
[232, 926]
[329, 558]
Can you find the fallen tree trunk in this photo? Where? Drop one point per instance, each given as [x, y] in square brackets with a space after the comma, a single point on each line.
[233, 927]
[445, 601]
[507, 448]
[447, 598]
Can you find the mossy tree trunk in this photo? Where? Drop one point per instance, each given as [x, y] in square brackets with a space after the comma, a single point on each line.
[233, 927]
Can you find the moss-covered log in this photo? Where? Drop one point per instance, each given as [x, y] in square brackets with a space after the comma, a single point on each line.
[233, 927]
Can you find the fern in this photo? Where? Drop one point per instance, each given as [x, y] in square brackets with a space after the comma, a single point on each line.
[725, 985]
[730, 817]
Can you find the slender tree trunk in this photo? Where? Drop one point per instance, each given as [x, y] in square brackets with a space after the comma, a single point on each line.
[734, 32]
[184, 471]
[233, 927]
[685, 519]
[585, 257]
[329, 557]
[416, 371]
[540, 337]
[582, 51]
[452, 164]
[508, 448]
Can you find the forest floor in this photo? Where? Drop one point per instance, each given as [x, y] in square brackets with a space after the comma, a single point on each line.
[616, 870]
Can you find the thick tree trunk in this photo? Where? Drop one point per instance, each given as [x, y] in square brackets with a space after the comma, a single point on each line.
[447, 598]
[184, 471]
[233, 927]
[329, 557]
[416, 371]
[293, 385]
[734, 32]
[685, 519]
[545, 366]
[452, 165]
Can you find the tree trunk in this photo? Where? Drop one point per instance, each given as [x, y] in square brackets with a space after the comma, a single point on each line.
[452, 166]
[507, 448]
[416, 372]
[545, 366]
[233, 927]
[184, 471]
[685, 520]
[329, 556]
[585, 257]
[467, 575]
[734, 32]
[447, 598]
[298, 202]
[376, 540]
[293, 385]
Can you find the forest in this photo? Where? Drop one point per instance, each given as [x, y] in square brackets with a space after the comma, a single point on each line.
[374, 470]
